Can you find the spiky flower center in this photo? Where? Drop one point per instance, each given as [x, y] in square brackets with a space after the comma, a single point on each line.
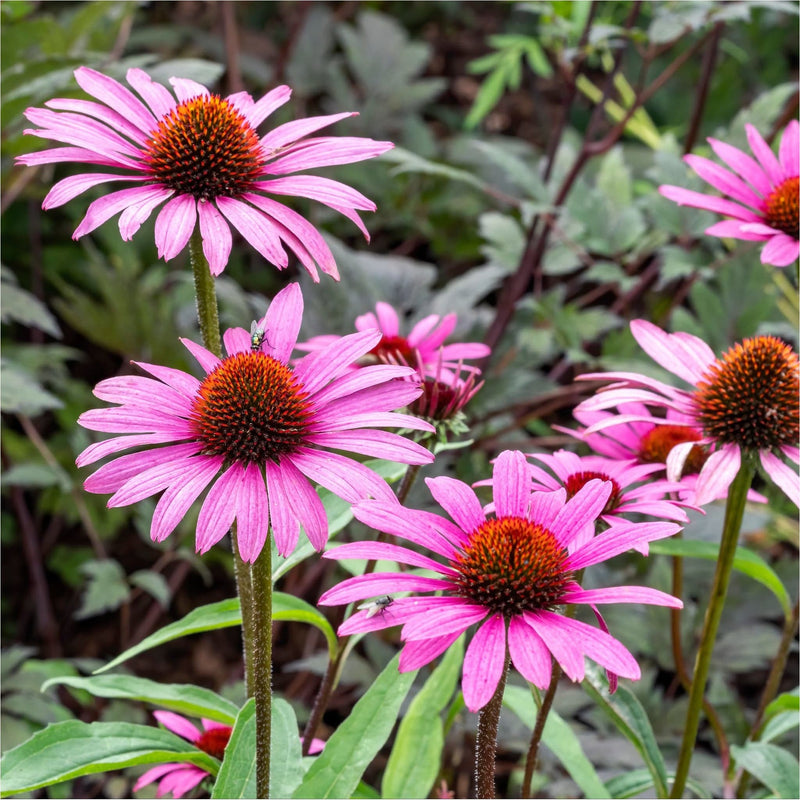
[205, 148]
[782, 208]
[656, 444]
[574, 483]
[511, 565]
[251, 408]
[394, 349]
[215, 741]
[749, 396]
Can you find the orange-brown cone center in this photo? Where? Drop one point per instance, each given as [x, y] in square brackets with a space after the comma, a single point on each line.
[782, 208]
[656, 444]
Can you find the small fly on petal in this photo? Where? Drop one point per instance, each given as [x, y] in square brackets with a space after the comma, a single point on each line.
[377, 606]
[257, 336]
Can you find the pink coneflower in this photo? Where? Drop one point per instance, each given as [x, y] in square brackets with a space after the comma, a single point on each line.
[181, 777]
[763, 193]
[745, 402]
[257, 430]
[426, 337]
[508, 572]
[199, 154]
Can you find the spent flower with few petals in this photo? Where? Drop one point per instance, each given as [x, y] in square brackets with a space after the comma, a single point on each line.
[508, 571]
[257, 430]
[199, 156]
[427, 337]
[745, 403]
[761, 194]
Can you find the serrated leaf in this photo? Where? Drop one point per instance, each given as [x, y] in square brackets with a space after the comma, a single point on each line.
[415, 759]
[25, 308]
[21, 393]
[183, 698]
[492, 89]
[66, 750]
[745, 561]
[630, 719]
[349, 751]
[775, 767]
[561, 739]
[106, 590]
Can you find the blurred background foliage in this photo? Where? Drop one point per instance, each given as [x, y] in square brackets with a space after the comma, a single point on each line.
[491, 105]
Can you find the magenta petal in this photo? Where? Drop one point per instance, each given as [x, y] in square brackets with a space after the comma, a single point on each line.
[784, 476]
[271, 101]
[318, 368]
[621, 594]
[143, 392]
[719, 205]
[305, 503]
[455, 618]
[687, 357]
[178, 725]
[154, 774]
[761, 150]
[780, 251]
[156, 96]
[313, 187]
[282, 323]
[69, 188]
[180, 495]
[216, 235]
[418, 653]
[717, 474]
[236, 340]
[174, 225]
[736, 229]
[205, 358]
[349, 479]
[545, 506]
[581, 510]
[788, 153]
[389, 552]
[459, 501]
[114, 95]
[358, 381]
[484, 663]
[181, 381]
[618, 538]
[374, 585]
[94, 452]
[724, 181]
[529, 653]
[186, 89]
[107, 206]
[385, 319]
[285, 525]
[180, 781]
[743, 165]
[378, 444]
[290, 132]
[512, 486]
[219, 509]
[252, 513]
[256, 228]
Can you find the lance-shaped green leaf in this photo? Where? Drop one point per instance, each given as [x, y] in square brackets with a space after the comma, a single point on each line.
[630, 718]
[66, 750]
[415, 759]
[775, 767]
[237, 775]
[639, 781]
[745, 561]
[226, 614]
[354, 744]
[560, 739]
[186, 699]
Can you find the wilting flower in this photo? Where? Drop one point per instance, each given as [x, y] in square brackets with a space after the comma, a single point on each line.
[256, 430]
[199, 155]
[761, 194]
[508, 572]
[181, 777]
[426, 337]
[744, 403]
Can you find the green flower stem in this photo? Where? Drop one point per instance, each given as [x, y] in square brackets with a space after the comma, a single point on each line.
[206, 294]
[734, 511]
[260, 634]
[486, 741]
[244, 588]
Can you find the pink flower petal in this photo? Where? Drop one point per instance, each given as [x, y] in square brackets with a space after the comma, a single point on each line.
[363, 586]
[174, 225]
[447, 619]
[282, 323]
[305, 503]
[723, 181]
[157, 97]
[621, 594]
[418, 653]
[458, 500]
[253, 513]
[361, 379]
[321, 366]
[271, 101]
[114, 95]
[324, 190]
[205, 358]
[219, 508]
[325, 152]
[788, 153]
[390, 552]
[784, 476]
[182, 382]
[686, 197]
[765, 156]
[102, 209]
[385, 319]
[512, 486]
[685, 356]
[69, 188]
[290, 132]
[154, 774]
[136, 214]
[618, 538]
[377, 444]
[581, 510]
[182, 780]
[142, 391]
[178, 724]
[717, 474]
[94, 452]
[186, 89]
[216, 235]
[484, 663]
[529, 653]
[780, 251]
[256, 228]
[735, 229]
[104, 114]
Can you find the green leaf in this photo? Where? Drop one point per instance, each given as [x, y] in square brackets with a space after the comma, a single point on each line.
[289, 607]
[20, 306]
[407, 161]
[183, 698]
[639, 781]
[745, 561]
[775, 767]
[237, 775]
[21, 393]
[106, 590]
[224, 614]
[630, 718]
[487, 98]
[354, 744]
[561, 739]
[66, 750]
[415, 759]
[154, 583]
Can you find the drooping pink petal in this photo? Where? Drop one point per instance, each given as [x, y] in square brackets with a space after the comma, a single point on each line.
[182, 780]
[780, 251]
[377, 444]
[361, 379]
[174, 225]
[736, 229]
[136, 214]
[142, 391]
[389, 552]
[325, 152]
[102, 113]
[313, 187]
[154, 774]
[216, 235]
[484, 663]
[253, 513]
[305, 503]
[102, 209]
[290, 132]
[69, 188]
[205, 358]
[271, 101]
[178, 724]
[349, 479]
[724, 181]
[385, 318]
[685, 356]
[529, 653]
[687, 197]
[219, 509]
[374, 585]
[786, 478]
[94, 452]
[256, 228]
[131, 419]
[618, 538]
[621, 594]
[182, 382]
[717, 474]
[186, 89]
[418, 653]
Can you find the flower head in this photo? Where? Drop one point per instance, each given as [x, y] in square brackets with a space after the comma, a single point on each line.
[256, 430]
[200, 156]
[761, 194]
[507, 571]
[427, 338]
[181, 777]
[745, 402]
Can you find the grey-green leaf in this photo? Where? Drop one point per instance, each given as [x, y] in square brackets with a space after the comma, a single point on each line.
[775, 767]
